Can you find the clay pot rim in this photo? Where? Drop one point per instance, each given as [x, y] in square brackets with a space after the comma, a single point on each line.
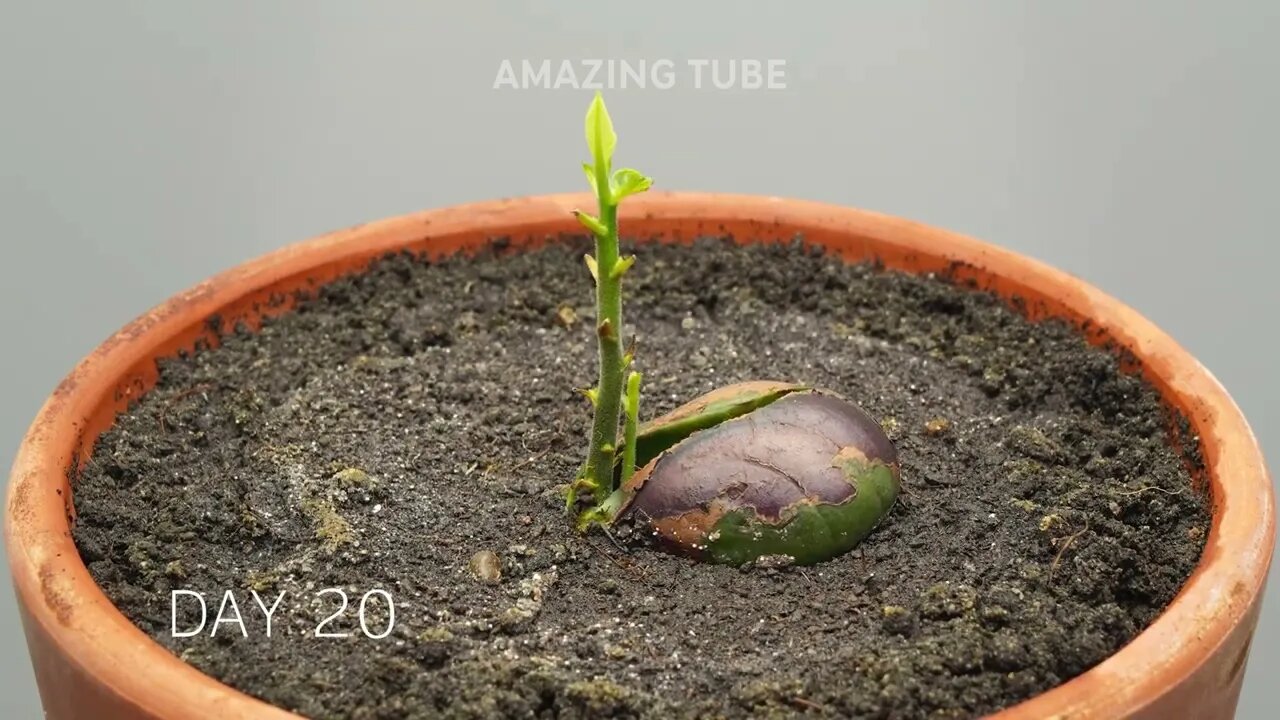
[57, 593]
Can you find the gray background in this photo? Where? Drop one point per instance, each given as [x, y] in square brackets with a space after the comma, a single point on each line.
[144, 146]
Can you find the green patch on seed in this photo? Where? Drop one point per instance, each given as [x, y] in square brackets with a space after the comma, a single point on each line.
[710, 410]
[814, 532]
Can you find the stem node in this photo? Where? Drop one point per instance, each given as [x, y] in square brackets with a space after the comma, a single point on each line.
[623, 266]
[605, 330]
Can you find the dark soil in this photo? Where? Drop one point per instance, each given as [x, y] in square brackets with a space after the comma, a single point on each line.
[405, 419]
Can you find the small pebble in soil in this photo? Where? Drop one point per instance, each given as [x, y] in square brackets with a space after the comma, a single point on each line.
[486, 567]
[566, 316]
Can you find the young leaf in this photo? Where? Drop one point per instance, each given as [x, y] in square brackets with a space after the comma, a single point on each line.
[591, 176]
[628, 181]
[600, 136]
[623, 265]
[591, 223]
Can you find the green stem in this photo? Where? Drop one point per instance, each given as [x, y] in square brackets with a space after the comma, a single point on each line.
[604, 427]
[632, 422]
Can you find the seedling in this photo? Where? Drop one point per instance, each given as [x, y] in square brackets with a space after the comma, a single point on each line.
[607, 268]
[747, 471]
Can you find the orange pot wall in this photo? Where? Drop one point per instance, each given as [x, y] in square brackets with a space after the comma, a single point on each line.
[91, 661]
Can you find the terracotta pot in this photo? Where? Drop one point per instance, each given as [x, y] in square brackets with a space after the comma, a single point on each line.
[92, 662]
